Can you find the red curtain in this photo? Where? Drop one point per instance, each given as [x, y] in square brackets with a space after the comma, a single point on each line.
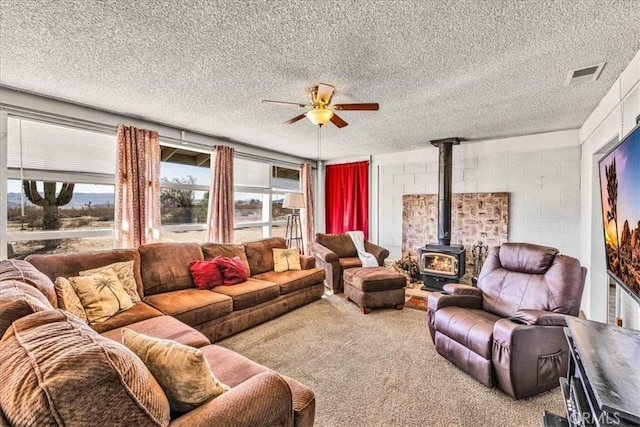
[347, 198]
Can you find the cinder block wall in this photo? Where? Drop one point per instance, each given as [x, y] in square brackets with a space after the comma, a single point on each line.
[540, 172]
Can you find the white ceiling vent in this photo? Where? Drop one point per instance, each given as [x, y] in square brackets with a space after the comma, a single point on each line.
[586, 74]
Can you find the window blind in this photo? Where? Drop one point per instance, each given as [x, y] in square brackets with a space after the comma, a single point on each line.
[44, 146]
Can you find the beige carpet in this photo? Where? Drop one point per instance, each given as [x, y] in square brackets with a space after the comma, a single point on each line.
[380, 369]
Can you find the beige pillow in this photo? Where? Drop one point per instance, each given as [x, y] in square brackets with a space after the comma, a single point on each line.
[102, 295]
[68, 299]
[182, 371]
[124, 271]
[286, 259]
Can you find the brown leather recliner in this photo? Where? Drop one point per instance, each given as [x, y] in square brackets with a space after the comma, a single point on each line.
[508, 332]
[336, 252]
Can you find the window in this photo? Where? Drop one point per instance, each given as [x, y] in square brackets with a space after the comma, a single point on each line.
[258, 197]
[58, 196]
[184, 194]
[58, 186]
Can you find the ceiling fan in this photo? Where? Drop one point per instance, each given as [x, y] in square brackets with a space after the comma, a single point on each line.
[320, 111]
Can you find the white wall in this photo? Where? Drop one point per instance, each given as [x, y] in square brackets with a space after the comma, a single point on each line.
[612, 119]
[541, 173]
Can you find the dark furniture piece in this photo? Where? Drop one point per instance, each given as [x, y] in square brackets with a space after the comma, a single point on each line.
[603, 381]
[373, 287]
[507, 332]
[336, 253]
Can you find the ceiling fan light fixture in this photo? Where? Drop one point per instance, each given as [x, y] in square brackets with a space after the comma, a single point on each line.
[320, 116]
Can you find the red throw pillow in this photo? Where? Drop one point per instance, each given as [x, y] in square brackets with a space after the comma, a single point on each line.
[206, 274]
[233, 271]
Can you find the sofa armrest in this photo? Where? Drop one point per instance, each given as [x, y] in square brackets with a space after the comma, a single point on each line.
[377, 251]
[323, 253]
[438, 300]
[307, 262]
[264, 399]
[329, 262]
[461, 289]
[528, 359]
[540, 317]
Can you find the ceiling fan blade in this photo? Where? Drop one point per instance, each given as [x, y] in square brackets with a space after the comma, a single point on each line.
[287, 103]
[338, 121]
[325, 92]
[362, 107]
[295, 119]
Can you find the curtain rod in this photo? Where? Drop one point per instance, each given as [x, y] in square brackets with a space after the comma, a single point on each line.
[83, 124]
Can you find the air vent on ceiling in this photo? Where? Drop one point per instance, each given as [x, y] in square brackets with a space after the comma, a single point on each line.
[586, 74]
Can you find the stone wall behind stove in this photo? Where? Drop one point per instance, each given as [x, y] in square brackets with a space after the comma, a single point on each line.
[475, 217]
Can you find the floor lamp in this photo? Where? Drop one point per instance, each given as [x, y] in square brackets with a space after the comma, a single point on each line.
[293, 230]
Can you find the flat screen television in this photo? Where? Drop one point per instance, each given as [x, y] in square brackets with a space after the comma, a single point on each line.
[620, 190]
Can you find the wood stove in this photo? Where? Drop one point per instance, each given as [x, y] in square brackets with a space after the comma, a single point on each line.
[442, 263]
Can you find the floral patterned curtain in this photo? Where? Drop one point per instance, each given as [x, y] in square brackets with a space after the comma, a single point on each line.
[221, 206]
[308, 230]
[137, 192]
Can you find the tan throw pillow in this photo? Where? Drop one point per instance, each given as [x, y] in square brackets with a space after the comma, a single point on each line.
[102, 295]
[68, 299]
[124, 271]
[182, 371]
[286, 259]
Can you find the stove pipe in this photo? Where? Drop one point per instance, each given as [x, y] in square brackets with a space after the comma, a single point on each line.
[445, 181]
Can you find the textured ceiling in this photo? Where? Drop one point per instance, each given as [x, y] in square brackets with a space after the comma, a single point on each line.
[473, 69]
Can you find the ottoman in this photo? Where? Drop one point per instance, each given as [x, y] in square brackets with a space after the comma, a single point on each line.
[372, 287]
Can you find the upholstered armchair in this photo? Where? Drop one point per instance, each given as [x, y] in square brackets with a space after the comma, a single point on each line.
[508, 332]
[336, 253]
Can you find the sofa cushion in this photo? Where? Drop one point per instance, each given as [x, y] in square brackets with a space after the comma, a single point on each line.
[102, 295]
[293, 280]
[212, 250]
[192, 306]
[472, 328]
[232, 270]
[22, 271]
[350, 262]
[206, 274]
[166, 327]
[17, 300]
[124, 271]
[286, 259]
[260, 253]
[182, 371]
[341, 244]
[233, 369]
[165, 266]
[51, 365]
[71, 264]
[140, 311]
[68, 299]
[250, 293]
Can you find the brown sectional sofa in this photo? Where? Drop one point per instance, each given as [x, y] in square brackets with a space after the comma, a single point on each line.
[173, 308]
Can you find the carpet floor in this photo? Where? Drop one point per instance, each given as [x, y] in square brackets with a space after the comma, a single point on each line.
[380, 369]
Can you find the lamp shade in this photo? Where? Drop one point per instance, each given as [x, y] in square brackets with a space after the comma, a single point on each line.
[293, 201]
[319, 116]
